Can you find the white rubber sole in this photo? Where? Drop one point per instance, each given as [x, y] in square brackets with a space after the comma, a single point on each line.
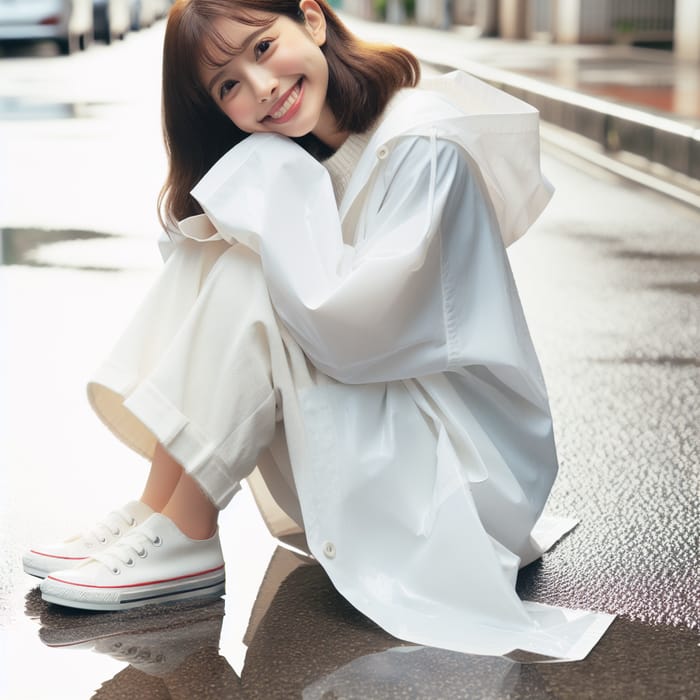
[83, 597]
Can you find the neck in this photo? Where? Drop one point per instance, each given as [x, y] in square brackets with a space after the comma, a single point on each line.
[327, 130]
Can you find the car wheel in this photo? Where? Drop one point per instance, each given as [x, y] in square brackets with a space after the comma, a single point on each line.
[68, 45]
[85, 40]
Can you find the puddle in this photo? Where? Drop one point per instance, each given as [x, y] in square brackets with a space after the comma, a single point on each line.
[23, 109]
[180, 650]
[21, 246]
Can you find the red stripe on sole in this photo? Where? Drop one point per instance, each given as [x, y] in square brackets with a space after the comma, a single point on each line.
[56, 556]
[137, 585]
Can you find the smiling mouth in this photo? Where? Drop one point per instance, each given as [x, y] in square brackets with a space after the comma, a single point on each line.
[286, 107]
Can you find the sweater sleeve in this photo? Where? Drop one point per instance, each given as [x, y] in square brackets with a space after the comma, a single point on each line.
[373, 311]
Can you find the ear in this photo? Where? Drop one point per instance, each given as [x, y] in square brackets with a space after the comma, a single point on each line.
[314, 20]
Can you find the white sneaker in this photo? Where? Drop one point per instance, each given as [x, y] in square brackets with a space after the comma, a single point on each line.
[45, 559]
[153, 563]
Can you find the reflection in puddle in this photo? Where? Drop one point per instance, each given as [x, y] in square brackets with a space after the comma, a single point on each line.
[305, 641]
[655, 86]
[22, 108]
[21, 246]
[419, 672]
[170, 650]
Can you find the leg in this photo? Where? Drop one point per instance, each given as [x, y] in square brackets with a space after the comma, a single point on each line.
[162, 480]
[191, 510]
[191, 374]
[175, 494]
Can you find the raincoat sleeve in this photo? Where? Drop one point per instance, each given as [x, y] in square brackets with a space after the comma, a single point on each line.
[377, 310]
[167, 240]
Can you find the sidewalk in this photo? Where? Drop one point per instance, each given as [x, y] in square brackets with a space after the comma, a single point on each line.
[625, 100]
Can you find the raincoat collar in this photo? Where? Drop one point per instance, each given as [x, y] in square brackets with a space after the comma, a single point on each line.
[479, 118]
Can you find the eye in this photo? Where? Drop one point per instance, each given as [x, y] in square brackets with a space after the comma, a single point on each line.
[261, 47]
[226, 87]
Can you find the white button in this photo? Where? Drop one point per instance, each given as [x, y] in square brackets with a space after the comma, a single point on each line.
[382, 152]
[329, 550]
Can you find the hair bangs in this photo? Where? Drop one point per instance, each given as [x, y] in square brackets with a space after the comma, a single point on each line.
[204, 40]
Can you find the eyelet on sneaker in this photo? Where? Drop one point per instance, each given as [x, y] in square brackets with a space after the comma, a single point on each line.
[116, 570]
[102, 540]
[157, 542]
[130, 562]
[118, 532]
[143, 553]
[132, 522]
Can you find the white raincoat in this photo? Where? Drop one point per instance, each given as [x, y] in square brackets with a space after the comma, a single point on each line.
[427, 466]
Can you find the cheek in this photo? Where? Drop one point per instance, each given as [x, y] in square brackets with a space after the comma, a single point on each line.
[320, 67]
[238, 114]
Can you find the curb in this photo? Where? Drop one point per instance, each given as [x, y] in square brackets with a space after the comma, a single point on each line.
[614, 127]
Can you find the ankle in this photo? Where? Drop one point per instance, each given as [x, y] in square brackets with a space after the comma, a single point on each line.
[196, 526]
[191, 510]
[155, 504]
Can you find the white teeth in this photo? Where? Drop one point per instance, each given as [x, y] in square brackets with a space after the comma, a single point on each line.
[287, 104]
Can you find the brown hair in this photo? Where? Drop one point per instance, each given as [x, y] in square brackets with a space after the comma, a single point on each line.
[362, 78]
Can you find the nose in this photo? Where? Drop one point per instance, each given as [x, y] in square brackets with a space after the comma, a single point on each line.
[264, 85]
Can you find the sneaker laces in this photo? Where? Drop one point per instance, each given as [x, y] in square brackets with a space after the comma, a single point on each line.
[113, 525]
[128, 549]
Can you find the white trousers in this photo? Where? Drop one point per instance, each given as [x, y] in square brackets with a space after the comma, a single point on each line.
[206, 369]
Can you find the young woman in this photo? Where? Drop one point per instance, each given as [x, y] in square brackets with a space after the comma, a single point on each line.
[337, 309]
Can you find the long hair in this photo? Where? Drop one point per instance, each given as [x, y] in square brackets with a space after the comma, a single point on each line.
[362, 78]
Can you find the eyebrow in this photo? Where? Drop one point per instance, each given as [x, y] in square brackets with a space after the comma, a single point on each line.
[246, 43]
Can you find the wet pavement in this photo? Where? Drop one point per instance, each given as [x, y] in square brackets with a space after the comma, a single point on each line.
[651, 79]
[610, 281]
[305, 641]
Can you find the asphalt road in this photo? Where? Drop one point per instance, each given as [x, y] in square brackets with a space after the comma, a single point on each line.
[610, 281]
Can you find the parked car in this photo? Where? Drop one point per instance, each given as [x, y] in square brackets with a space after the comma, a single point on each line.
[162, 7]
[68, 22]
[145, 12]
[112, 19]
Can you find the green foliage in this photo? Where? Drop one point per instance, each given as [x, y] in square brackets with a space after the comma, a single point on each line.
[409, 7]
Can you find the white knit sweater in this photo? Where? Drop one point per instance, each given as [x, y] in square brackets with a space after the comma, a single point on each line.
[342, 163]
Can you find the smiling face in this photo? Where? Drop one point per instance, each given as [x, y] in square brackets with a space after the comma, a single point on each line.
[276, 80]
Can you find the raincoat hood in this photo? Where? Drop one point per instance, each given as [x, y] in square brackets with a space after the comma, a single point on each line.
[500, 133]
